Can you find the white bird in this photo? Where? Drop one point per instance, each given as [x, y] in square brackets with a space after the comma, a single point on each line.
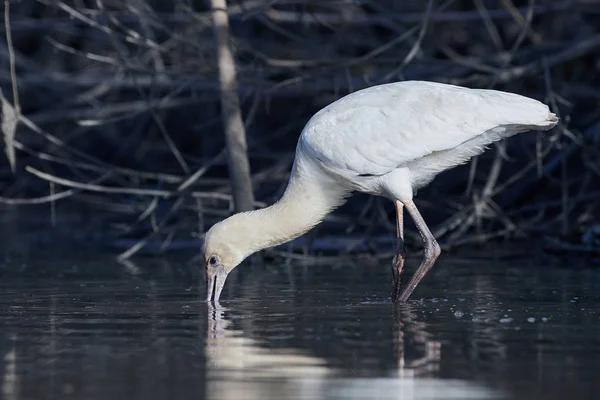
[387, 140]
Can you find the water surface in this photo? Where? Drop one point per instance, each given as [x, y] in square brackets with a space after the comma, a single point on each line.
[89, 327]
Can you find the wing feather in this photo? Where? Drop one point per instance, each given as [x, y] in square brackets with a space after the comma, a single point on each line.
[376, 130]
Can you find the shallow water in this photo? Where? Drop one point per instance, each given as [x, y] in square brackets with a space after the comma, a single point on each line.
[96, 329]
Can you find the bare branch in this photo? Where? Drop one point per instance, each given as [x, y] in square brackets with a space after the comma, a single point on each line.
[10, 113]
[235, 134]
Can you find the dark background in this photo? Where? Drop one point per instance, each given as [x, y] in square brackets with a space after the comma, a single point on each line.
[119, 104]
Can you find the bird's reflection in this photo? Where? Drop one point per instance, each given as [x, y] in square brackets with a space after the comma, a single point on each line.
[9, 377]
[236, 364]
[409, 331]
[230, 350]
[216, 324]
[239, 366]
[416, 350]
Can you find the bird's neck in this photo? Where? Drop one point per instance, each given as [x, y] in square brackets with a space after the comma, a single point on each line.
[308, 198]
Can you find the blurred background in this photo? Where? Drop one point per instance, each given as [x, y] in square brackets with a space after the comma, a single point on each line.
[114, 145]
[113, 131]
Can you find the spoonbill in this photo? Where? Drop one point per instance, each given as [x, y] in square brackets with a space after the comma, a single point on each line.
[387, 140]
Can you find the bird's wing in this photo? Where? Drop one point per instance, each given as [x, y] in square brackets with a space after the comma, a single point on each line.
[376, 130]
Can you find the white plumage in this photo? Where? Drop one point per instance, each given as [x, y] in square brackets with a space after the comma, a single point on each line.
[423, 127]
[386, 140]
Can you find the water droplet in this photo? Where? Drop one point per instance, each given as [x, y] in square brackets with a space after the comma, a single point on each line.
[531, 319]
[506, 320]
[458, 314]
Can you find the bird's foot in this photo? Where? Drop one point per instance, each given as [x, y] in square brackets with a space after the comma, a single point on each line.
[397, 268]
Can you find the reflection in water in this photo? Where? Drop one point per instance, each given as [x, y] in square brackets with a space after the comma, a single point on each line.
[405, 322]
[101, 330]
[9, 378]
[236, 361]
[228, 351]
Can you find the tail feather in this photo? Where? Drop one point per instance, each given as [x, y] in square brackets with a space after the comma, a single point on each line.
[519, 111]
[549, 123]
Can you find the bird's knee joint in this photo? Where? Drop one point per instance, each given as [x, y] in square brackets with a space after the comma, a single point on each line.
[437, 250]
[401, 252]
[433, 250]
[399, 259]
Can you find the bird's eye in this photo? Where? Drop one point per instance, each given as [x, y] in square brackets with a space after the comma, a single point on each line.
[213, 260]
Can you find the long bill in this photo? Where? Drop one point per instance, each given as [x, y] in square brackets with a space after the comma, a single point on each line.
[215, 280]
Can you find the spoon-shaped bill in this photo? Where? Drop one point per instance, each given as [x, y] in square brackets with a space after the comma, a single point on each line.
[215, 280]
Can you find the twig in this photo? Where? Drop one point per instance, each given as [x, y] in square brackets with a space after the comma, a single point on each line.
[156, 176]
[37, 200]
[489, 25]
[571, 52]
[10, 114]
[98, 188]
[417, 45]
[462, 16]
[525, 24]
[139, 245]
[165, 194]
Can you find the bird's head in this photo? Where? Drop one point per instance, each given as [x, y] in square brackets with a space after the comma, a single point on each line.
[224, 249]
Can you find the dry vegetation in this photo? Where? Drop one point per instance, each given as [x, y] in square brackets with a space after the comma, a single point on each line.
[116, 105]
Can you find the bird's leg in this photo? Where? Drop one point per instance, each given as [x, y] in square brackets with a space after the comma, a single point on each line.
[398, 262]
[431, 251]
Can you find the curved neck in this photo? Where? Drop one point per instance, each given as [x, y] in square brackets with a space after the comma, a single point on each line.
[308, 198]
